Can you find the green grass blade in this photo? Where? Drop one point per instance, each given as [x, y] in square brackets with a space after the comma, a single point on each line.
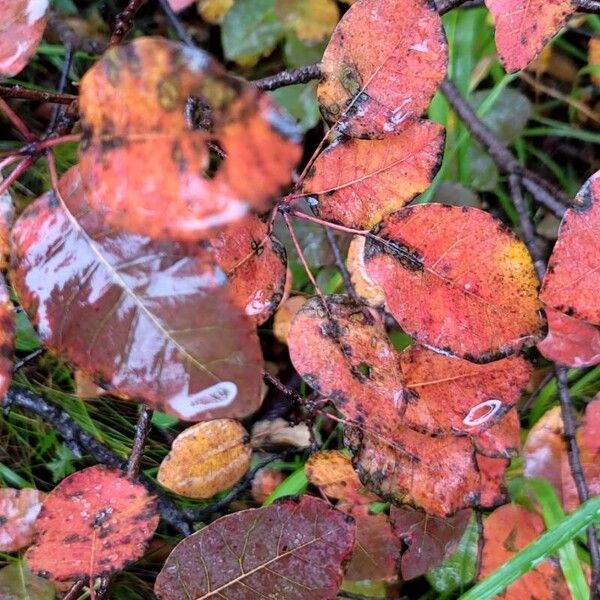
[293, 485]
[546, 545]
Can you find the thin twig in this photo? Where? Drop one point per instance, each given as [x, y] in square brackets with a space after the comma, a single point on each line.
[16, 121]
[27, 359]
[177, 25]
[124, 22]
[18, 91]
[276, 383]
[75, 590]
[68, 37]
[141, 432]
[341, 265]
[290, 77]
[536, 392]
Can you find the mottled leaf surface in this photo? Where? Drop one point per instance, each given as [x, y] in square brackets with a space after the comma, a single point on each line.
[570, 342]
[292, 550]
[367, 290]
[256, 266]
[524, 26]
[185, 190]
[382, 66]
[206, 458]
[572, 281]
[93, 523]
[141, 316]
[359, 182]
[457, 280]
[22, 24]
[453, 395]
[430, 539]
[18, 512]
[17, 582]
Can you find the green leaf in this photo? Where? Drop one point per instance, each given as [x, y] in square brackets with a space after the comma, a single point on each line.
[295, 484]
[26, 339]
[250, 29]
[62, 465]
[546, 545]
[17, 582]
[301, 102]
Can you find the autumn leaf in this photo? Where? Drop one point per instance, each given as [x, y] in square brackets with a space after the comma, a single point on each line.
[359, 182]
[430, 539]
[255, 264]
[572, 281]
[570, 342]
[382, 67]
[293, 550]
[7, 339]
[284, 316]
[506, 531]
[366, 289]
[18, 512]
[310, 20]
[93, 523]
[22, 24]
[524, 26]
[7, 217]
[206, 459]
[17, 582]
[214, 11]
[139, 315]
[452, 395]
[457, 280]
[193, 182]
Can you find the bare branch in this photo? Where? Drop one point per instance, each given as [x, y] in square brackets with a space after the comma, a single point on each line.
[124, 22]
[290, 77]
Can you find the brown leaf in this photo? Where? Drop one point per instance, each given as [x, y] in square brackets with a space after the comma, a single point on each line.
[430, 539]
[142, 161]
[138, 315]
[93, 523]
[18, 512]
[22, 24]
[457, 280]
[277, 433]
[382, 67]
[206, 459]
[572, 281]
[359, 182]
[292, 550]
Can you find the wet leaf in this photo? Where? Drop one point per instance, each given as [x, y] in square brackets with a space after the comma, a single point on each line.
[572, 281]
[186, 188]
[524, 26]
[503, 439]
[214, 11]
[138, 315]
[293, 549]
[457, 280]
[22, 24]
[506, 531]
[206, 459]
[430, 539]
[382, 67]
[18, 512]
[366, 289]
[93, 523]
[570, 342]
[359, 182]
[450, 395]
[310, 20]
[284, 316]
[256, 267]
[17, 582]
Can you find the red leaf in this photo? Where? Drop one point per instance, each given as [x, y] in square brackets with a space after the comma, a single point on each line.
[139, 315]
[572, 281]
[22, 24]
[570, 342]
[359, 182]
[382, 66]
[155, 174]
[292, 550]
[93, 523]
[7, 339]
[256, 266]
[506, 531]
[18, 512]
[430, 540]
[502, 440]
[457, 280]
[524, 26]
[452, 395]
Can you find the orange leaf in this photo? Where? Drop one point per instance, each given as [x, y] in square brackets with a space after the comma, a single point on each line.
[284, 316]
[524, 26]
[368, 291]
[570, 341]
[22, 24]
[572, 281]
[93, 523]
[506, 531]
[206, 459]
[256, 266]
[156, 175]
[382, 66]
[140, 316]
[452, 395]
[457, 280]
[359, 182]
[18, 512]
[7, 217]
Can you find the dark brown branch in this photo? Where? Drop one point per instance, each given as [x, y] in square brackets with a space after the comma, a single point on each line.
[124, 21]
[17, 91]
[290, 77]
[536, 392]
[58, 28]
[141, 432]
[296, 397]
[574, 457]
